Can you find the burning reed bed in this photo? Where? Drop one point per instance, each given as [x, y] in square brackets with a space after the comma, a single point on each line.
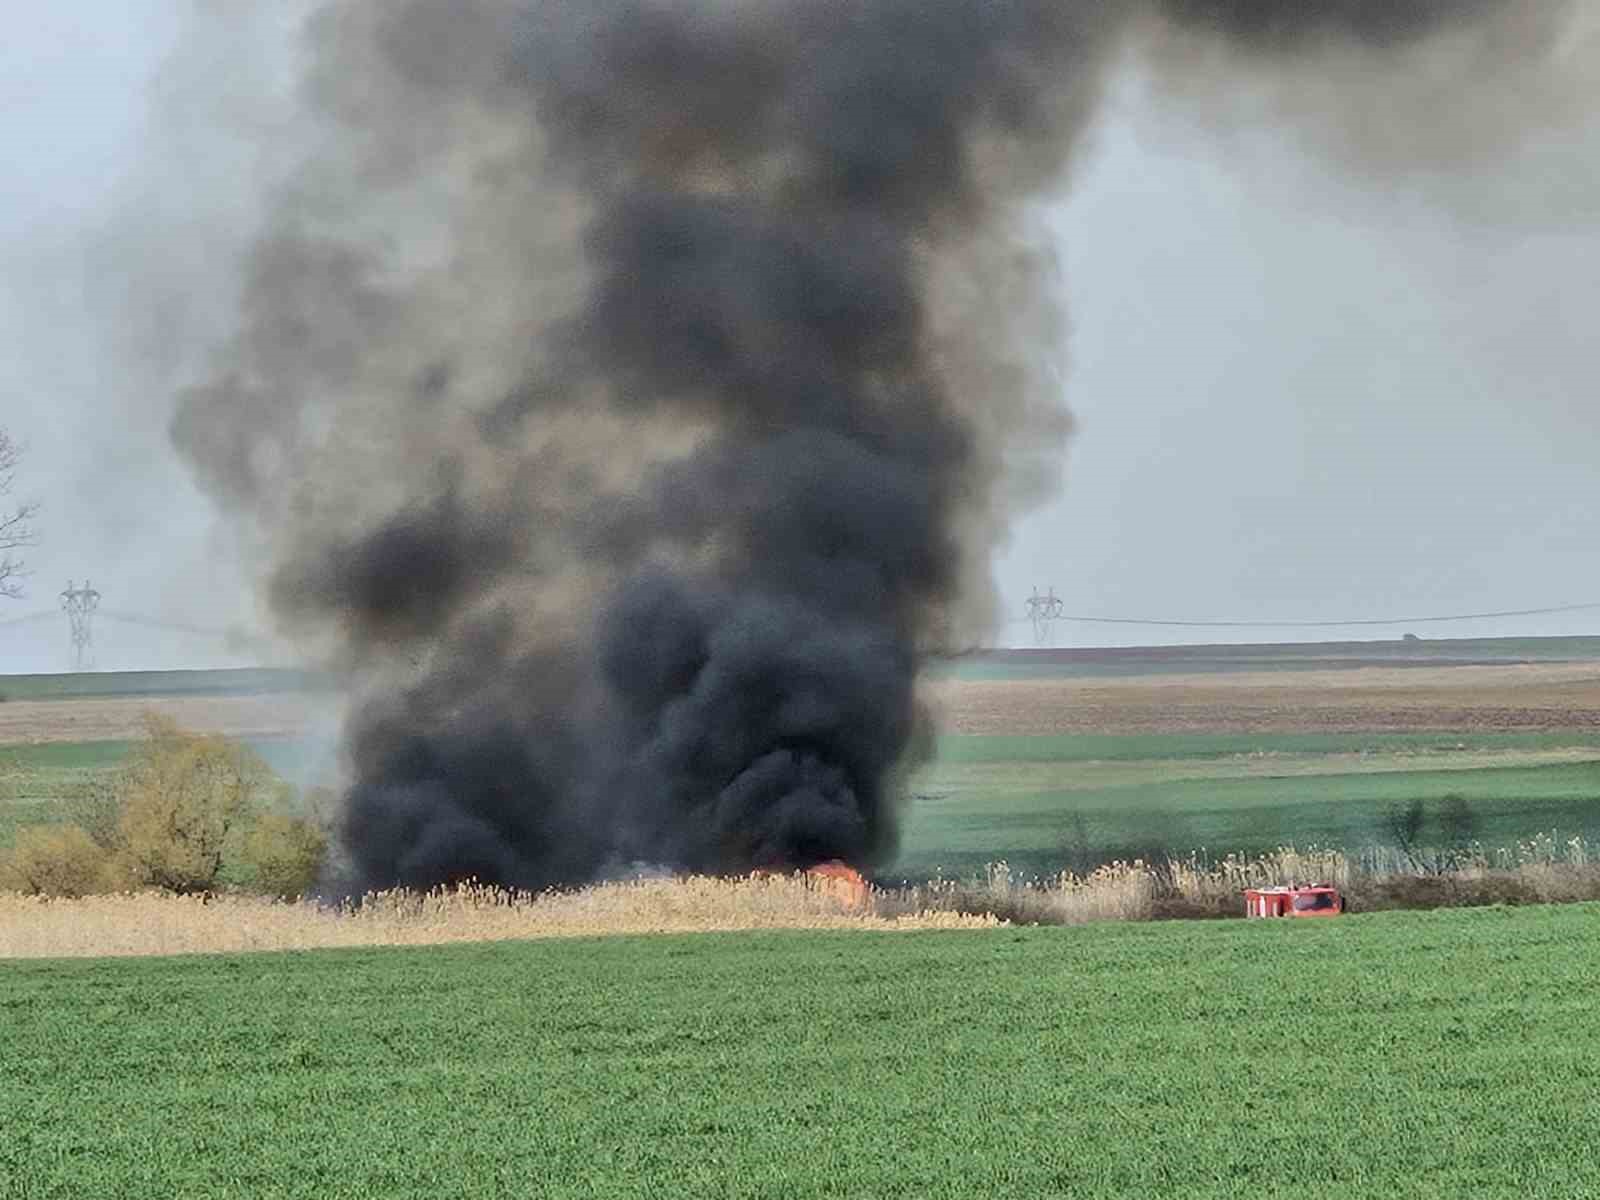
[152, 922]
[1542, 870]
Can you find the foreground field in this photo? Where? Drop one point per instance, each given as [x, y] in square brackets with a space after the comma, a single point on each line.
[1415, 1055]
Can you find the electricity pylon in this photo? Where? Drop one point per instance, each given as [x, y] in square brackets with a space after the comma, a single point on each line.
[79, 604]
[1041, 611]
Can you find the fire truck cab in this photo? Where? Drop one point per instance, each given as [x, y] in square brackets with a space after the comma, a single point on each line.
[1317, 900]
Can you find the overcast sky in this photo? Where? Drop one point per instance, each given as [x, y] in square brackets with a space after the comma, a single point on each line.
[1303, 393]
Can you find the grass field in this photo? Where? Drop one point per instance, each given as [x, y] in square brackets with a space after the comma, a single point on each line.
[40, 783]
[1126, 661]
[1414, 1055]
[241, 681]
[1055, 758]
[1042, 803]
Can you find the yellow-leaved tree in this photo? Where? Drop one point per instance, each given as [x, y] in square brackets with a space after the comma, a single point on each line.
[187, 800]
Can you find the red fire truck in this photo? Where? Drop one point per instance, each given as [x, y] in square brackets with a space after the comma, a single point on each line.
[1316, 900]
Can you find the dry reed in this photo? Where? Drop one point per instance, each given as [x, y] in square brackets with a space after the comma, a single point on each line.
[149, 923]
[1546, 869]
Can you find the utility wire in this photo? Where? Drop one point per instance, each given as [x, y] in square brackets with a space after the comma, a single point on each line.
[48, 614]
[175, 626]
[128, 619]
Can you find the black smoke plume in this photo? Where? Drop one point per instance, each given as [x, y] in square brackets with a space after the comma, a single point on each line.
[629, 394]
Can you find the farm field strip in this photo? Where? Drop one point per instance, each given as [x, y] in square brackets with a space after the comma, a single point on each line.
[1041, 816]
[1030, 776]
[1124, 662]
[1403, 1055]
[85, 684]
[1366, 700]
[1045, 772]
[1079, 747]
[285, 714]
[1032, 800]
[41, 782]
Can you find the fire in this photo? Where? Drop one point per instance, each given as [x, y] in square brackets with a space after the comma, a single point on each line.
[836, 879]
[841, 881]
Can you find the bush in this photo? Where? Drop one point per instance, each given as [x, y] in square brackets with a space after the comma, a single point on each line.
[57, 860]
[92, 805]
[285, 854]
[185, 800]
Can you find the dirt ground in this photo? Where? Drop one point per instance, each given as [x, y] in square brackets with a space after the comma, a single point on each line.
[1373, 699]
[283, 714]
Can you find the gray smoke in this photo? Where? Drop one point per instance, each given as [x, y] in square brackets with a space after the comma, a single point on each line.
[629, 394]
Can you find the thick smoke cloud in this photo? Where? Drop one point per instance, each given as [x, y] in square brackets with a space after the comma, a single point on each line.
[1288, 25]
[1396, 91]
[629, 393]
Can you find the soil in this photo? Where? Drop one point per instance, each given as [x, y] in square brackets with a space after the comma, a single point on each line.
[281, 714]
[1526, 697]
[1522, 697]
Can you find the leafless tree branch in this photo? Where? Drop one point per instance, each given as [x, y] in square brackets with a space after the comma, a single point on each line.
[16, 523]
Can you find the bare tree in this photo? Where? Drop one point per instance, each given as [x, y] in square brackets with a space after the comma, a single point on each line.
[16, 524]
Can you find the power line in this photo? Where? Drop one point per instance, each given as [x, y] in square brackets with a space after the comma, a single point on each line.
[175, 626]
[132, 619]
[1302, 624]
[48, 614]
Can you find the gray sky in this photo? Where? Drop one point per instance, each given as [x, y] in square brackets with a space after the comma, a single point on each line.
[1309, 395]
[1303, 392]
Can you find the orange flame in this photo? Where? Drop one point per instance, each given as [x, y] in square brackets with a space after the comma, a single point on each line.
[836, 879]
[841, 881]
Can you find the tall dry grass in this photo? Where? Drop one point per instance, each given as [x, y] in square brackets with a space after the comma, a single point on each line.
[161, 923]
[1546, 869]
[1542, 870]
[1115, 892]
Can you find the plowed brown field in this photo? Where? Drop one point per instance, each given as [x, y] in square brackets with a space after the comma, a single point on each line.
[284, 714]
[1371, 699]
[1527, 697]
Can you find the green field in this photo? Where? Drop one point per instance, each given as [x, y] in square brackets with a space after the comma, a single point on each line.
[85, 685]
[43, 783]
[1042, 803]
[1439, 1054]
[1131, 661]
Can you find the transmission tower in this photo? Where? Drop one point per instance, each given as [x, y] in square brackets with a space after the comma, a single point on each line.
[80, 603]
[1042, 610]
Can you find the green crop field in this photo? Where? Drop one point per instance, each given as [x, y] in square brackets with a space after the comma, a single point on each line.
[1442, 1054]
[40, 784]
[1124, 661]
[240, 681]
[1042, 803]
